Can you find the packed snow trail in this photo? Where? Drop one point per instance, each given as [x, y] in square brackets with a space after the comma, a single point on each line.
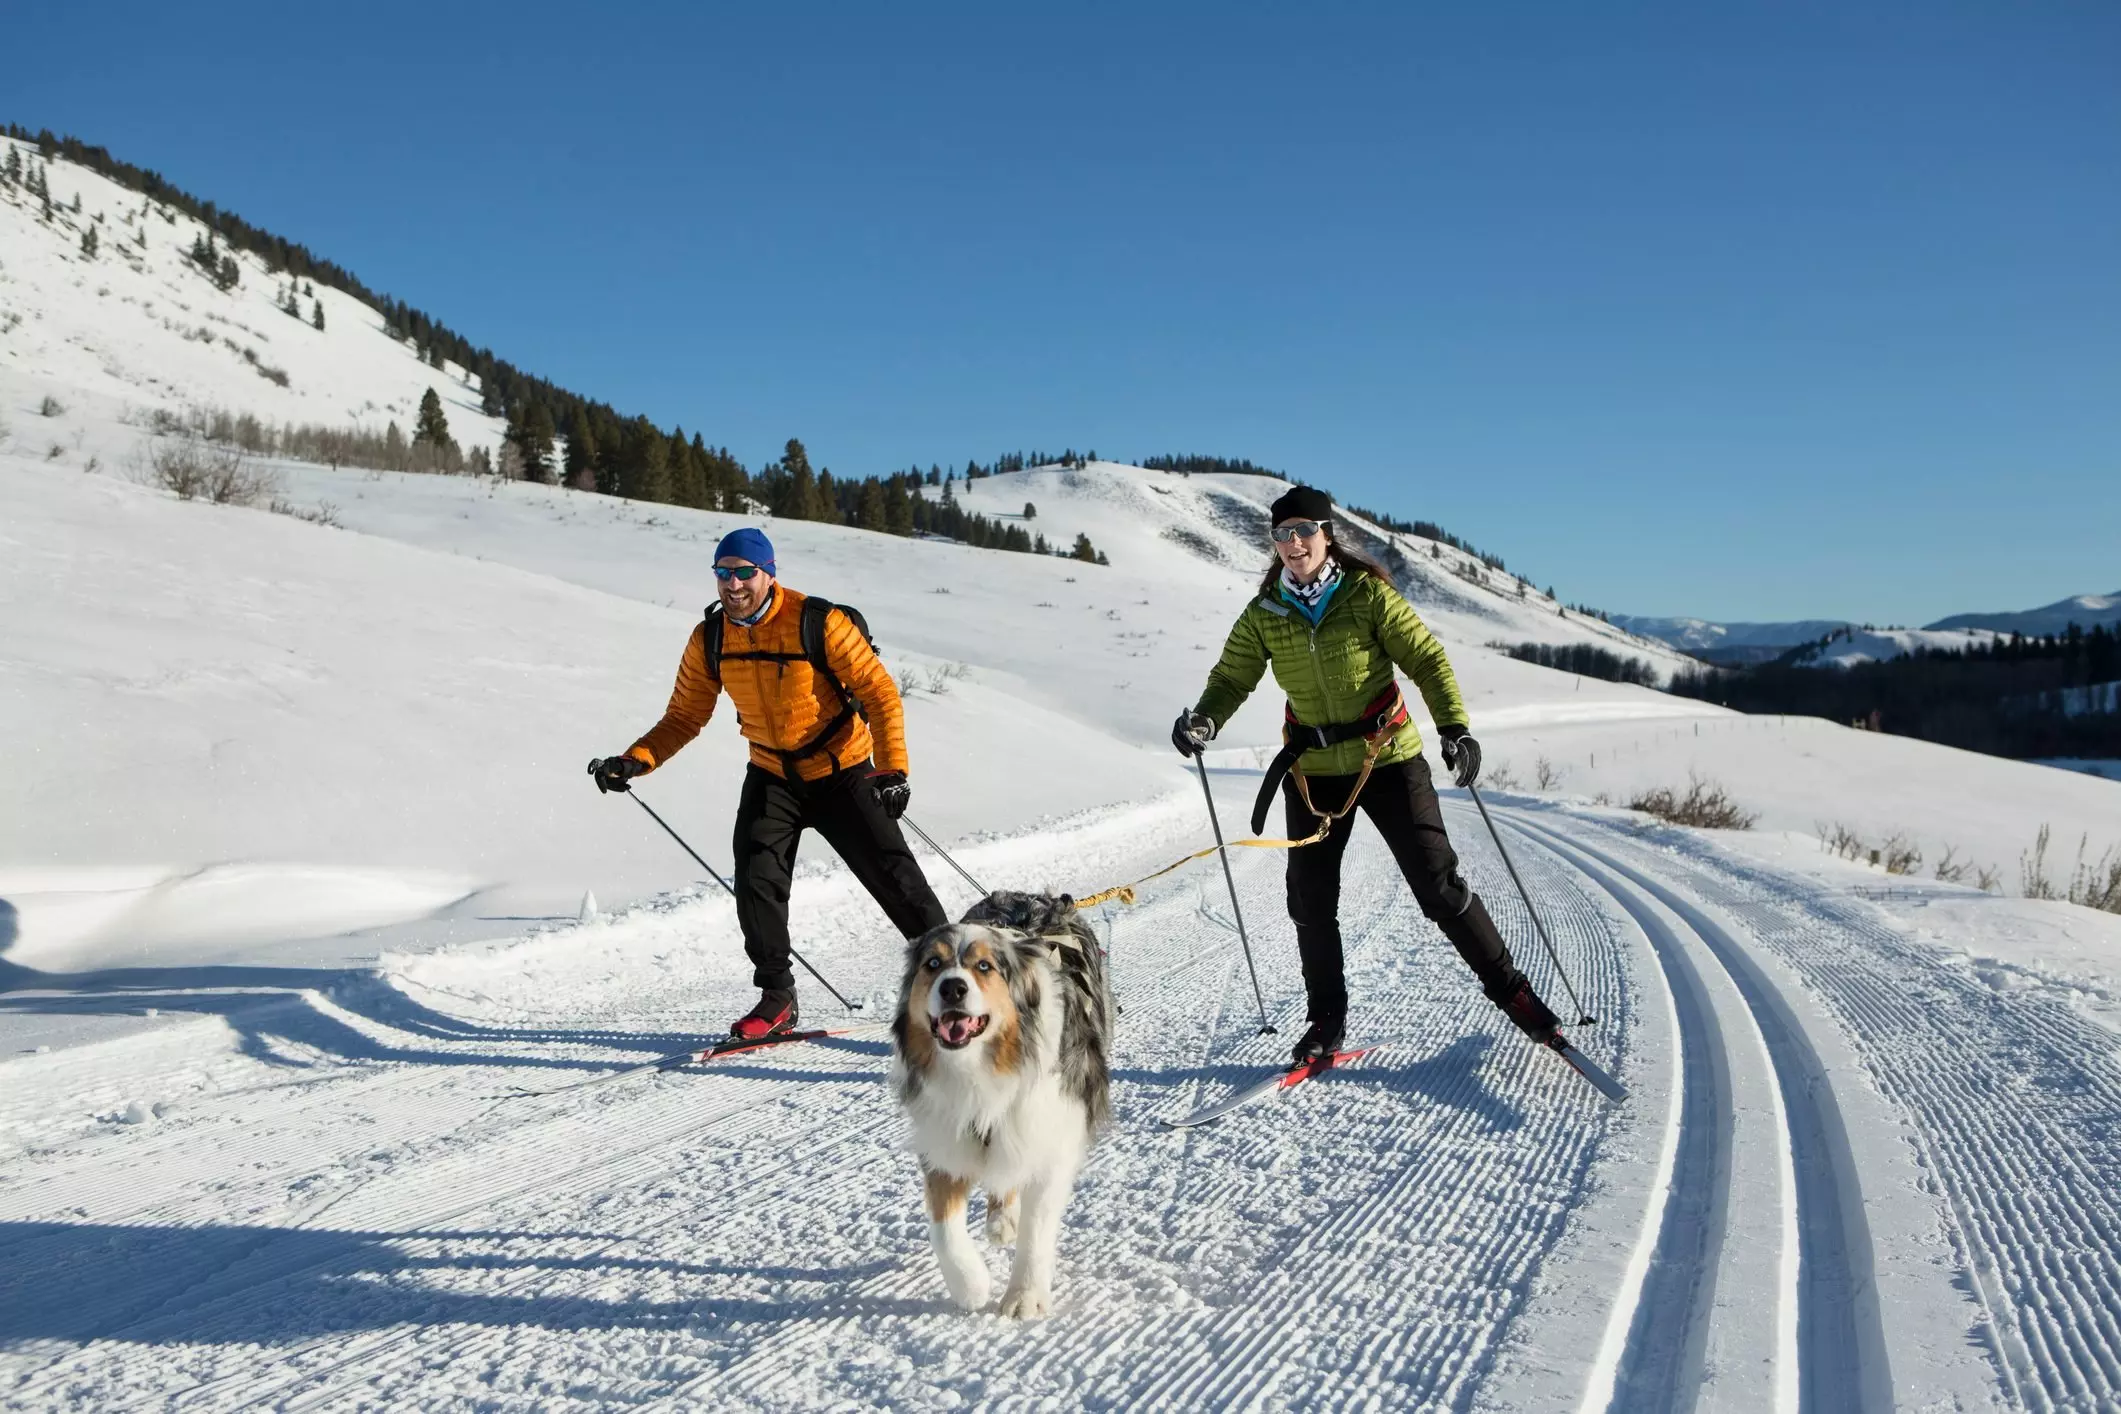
[1460, 1222]
[2010, 1101]
[751, 1234]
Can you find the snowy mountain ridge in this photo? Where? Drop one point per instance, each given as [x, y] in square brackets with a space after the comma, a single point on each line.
[1737, 643]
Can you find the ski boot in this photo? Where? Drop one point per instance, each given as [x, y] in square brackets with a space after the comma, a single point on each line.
[1321, 1039]
[774, 1014]
[1522, 1005]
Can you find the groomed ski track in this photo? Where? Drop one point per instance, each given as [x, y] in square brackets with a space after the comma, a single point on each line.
[1458, 1222]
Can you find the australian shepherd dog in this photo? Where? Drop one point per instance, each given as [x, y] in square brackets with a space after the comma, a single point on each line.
[1002, 1059]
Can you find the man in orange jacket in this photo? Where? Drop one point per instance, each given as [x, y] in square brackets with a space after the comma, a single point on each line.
[811, 759]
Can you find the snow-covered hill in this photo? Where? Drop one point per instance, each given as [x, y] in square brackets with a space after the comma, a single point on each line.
[139, 327]
[1846, 647]
[1729, 643]
[2084, 610]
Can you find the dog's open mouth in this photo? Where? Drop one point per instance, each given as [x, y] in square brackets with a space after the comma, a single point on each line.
[954, 1028]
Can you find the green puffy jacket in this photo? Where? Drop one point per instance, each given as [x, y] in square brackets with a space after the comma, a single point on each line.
[1331, 672]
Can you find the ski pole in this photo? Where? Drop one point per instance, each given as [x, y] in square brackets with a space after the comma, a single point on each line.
[731, 890]
[1584, 1018]
[1266, 1028]
[977, 886]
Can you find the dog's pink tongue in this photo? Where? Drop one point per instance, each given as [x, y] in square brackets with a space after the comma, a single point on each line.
[957, 1030]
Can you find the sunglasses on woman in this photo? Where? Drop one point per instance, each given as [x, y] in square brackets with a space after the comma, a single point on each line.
[740, 572]
[1296, 529]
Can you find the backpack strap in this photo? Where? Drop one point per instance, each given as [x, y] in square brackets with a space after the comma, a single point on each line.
[711, 637]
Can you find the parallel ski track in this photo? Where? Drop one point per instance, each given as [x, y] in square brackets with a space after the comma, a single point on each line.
[1842, 1360]
[2015, 1106]
[1663, 1363]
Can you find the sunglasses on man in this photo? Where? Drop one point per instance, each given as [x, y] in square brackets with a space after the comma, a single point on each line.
[738, 572]
[1298, 529]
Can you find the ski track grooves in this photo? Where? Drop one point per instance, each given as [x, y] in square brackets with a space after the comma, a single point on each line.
[1661, 1364]
[2012, 1098]
[1842, 1358]
[615, 1251]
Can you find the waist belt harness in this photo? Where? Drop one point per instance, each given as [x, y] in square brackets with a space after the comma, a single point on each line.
[1380, 720]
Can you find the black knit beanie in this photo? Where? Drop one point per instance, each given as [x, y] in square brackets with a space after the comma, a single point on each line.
[1302, 503]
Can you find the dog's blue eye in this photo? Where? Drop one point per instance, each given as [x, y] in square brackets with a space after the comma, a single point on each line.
[933, 964]
[985, 966]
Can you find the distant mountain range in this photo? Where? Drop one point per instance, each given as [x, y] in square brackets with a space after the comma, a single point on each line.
[2082, 609]
[1735, 644]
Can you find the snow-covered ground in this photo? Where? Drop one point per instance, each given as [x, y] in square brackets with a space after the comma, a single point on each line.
[292, 892]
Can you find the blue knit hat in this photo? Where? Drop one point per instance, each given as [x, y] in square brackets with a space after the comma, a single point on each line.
[749, 543]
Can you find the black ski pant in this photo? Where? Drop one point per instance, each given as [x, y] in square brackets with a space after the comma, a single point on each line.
[1400, 800]
[771, 816]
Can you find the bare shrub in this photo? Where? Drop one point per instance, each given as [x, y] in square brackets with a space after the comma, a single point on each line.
[323, 513]
[1898, 854]
[908, 682]
[1842, 840]
[50, 407]
[1951, 869]
[54, 452]
[1705, 806]
[1546, 775]
[2033, 880]
[1988, 879]
[1499, 777]
[939, 680]
[197, 470]
[2097, 885]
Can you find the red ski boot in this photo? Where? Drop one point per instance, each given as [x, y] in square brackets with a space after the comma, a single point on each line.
[774, 1014]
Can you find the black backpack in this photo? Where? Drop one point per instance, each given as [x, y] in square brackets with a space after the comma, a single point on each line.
[810, 634]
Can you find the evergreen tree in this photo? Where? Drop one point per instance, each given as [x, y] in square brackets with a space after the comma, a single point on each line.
[581, 460]
[1084, 550]
[433, 425]
[898, 507]
[871, 514]
[88, 242]
[395, 454]
[644, 463]
[1030, 511]
[316, 314]
[796, 497]
[14, 164]
[533, 443]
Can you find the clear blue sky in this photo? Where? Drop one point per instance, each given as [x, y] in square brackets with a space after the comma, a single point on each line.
[1747, 311]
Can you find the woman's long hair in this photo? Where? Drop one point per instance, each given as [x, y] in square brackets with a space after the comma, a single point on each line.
[1350, 560]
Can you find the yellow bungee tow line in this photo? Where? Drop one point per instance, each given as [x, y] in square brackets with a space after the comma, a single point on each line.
[1124, 893]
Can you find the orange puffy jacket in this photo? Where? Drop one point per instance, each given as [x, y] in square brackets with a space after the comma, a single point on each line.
[781, 705]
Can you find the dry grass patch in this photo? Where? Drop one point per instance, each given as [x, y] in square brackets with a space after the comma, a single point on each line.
[1705, 806]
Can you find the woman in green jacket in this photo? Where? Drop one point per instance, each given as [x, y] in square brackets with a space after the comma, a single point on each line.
[1333, 628]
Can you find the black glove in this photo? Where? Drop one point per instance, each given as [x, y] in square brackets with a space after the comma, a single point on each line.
[1191, 732]
[893, 792]
[1461, 754]
[613, 772]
